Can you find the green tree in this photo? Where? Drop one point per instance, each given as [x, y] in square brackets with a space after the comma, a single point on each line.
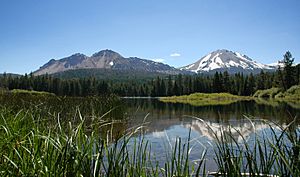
[250, 85]
[297, 80]
[217, 83]
[176, 89]
[226, 82]
[162, 90]
[260, 81]
[288, 69]
[170, 86]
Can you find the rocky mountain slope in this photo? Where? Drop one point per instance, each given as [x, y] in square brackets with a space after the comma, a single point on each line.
[105, 59]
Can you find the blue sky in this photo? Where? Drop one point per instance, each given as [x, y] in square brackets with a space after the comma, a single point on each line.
[176, 31]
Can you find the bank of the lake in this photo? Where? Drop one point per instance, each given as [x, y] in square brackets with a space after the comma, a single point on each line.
[203, 99]
[270, 96]
[292, 94]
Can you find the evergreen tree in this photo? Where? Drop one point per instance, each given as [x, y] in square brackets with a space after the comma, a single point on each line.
[226, 82]
[260, 81]
[190, 86]
[180, 84]
[162, 90]
[297, 76]
[217, 84]
[250, 87]
[176, 89]
[78, 89]
[157, 87]
[289, 78]
[170, 86]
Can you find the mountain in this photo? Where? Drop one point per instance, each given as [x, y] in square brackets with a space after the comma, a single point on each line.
[225, 60]
[277, 64]
[10, 75]
[105, 59]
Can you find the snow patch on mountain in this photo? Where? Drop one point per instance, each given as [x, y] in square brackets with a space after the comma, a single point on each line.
[277, 64]
[225, 60]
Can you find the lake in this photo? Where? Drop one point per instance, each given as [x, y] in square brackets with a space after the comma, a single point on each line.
[166, 122]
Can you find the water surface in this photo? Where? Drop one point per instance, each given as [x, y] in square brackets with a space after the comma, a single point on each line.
[166, 122]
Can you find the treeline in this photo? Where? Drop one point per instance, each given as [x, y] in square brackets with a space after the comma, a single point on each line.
[61, 87]
[238, 84]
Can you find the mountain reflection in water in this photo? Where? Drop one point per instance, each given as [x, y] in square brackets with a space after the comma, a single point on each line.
[166, 122]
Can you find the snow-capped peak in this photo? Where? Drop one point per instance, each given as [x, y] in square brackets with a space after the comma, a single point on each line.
[277, 64]
[225, 60]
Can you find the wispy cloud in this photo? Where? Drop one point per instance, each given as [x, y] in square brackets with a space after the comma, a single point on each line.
[175, 55]
[159, 60]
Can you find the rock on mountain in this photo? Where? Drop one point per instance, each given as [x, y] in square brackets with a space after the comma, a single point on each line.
[225, 60]
[105, 59]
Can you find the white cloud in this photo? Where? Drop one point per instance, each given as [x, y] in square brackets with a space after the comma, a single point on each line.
[175, 55]
[158, 60]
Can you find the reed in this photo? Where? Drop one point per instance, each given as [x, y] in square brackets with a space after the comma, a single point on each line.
[272, 152]
[29, 147]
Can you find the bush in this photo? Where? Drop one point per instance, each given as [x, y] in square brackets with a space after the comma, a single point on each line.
[294, 90]
[293, 93]
[280, 95]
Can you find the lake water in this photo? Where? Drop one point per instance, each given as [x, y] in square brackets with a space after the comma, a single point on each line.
[166, 122]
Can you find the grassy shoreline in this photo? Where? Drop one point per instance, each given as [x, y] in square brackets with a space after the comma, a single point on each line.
[292, 94]
[271, 96]
[204, 99]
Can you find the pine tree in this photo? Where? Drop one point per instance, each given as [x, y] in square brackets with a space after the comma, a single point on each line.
[251, 85]
[78, 89]
[176, 89]
[217, 84]
[157, 86]
[226, 82]
[162, 90]
[170, 86]
[260, 81]
[297, 80]
[180, 84]
[288, 69]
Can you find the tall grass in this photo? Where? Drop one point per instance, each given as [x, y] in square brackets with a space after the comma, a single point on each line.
[272, 152]
[28, 147]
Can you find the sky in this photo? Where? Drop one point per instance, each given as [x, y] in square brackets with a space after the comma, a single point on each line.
[175, 32]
